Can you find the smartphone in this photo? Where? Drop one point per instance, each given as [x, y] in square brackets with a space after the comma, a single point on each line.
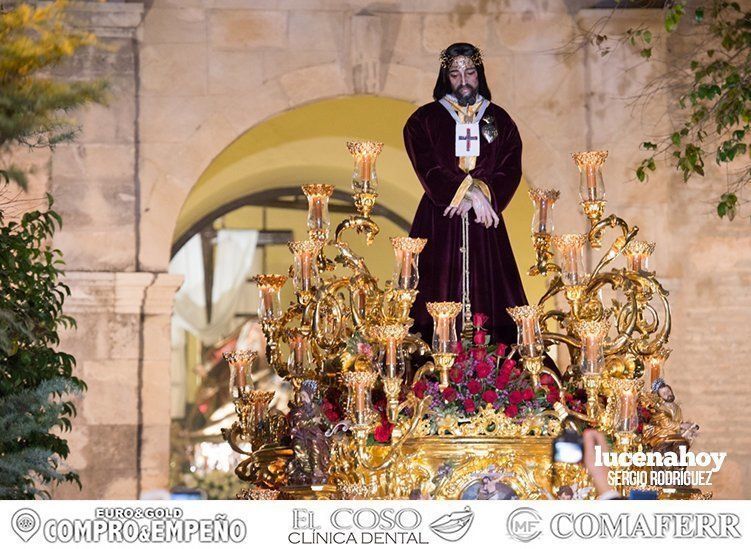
[567, 447]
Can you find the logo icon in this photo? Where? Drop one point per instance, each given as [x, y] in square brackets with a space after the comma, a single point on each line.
[524, 524]
[453, 526]
[25, 523]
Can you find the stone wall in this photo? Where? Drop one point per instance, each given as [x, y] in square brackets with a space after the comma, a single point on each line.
[193, 75]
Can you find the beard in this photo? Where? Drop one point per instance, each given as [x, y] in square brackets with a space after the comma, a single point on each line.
[465, 95]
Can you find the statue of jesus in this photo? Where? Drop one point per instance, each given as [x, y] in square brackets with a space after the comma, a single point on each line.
[467, 154]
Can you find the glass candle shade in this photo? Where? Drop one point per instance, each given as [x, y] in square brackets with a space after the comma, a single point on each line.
[240, 366]
[592, 335]
[359, 402]
[528, 337]
[269, 296]
[391, 354]
[591, 185]
[637, 253]
[444, 315]
[569, 249]
[365, 153]
[305, 267]
[300, 360]
[318, 209]
[654, 365]
[406, 254]
[259, 407]
[544, 204]
[627, 405]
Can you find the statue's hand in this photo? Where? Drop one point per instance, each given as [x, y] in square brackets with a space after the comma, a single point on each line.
[464, 206]
[483, 210]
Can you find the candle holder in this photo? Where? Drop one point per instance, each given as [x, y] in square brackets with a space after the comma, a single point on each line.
[654, 365]
[529, 338]
[300, 362]
[637, 253]
[570, 251]
[359, 407]
[391, 362]
[269, 296]
[319, 222]
[445, 340]
[305, 269]
[626, 418]
[542, 228]
[406, 254]
[240, 366]
[364, 178]
[591, 360]
[255, 416]
[592, 187]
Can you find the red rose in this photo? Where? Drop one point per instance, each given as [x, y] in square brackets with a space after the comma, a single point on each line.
[501, 382]
[528, 394]
[546, 379]
[474, 387]
[329, 410]
[511, 410]
[479, 319]
[455, 374]
[490, 396]
[449, 393]
[501, 349]
[515, 397]
[552, 397]
[469, 405]
[508, 365]
[382, 433]
[483, 369]
[479, 353]
[479, 338]
[420, 388]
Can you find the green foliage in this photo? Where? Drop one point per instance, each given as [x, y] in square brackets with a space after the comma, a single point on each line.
[715, 99]
[37, 384]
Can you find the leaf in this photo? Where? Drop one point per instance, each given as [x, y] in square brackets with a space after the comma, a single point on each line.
[699, 14]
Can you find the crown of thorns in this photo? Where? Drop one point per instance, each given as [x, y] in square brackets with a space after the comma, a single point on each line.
[658, 384]
[447, 59]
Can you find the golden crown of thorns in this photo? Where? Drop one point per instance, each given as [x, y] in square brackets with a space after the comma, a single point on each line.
[447, 59]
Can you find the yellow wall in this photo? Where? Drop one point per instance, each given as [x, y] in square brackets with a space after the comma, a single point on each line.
[307, 145]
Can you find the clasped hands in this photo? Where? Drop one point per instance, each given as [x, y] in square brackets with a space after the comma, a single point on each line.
[475, 200]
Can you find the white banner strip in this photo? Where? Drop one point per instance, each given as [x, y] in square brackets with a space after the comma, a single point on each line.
[437, 524]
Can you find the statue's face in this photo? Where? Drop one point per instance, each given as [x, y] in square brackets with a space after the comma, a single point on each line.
[666, 393]
[464, 80]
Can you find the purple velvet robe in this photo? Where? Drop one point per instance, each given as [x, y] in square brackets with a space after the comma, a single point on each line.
[494, 277]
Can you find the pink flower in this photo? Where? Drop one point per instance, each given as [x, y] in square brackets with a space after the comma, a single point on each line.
[528, 394]
[515, 397]
[455, 374]
[449, 394]
[479, 319]
[364, 349]
[501, 382]
[469, 405]
[479, 338]
[474, 387]
[490, 396]
[511, 410]
[382, 433]
[483, 369]
[419, 389]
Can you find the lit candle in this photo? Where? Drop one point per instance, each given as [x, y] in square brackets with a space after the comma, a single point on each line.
[627, 413]
[637, 253]
[529, 338]
[406, 253]
[592, 333]
[591, 187]
[444, 315]
[269, 298]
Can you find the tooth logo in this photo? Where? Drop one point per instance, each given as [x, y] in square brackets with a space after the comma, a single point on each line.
[453, 526]
[25, 523]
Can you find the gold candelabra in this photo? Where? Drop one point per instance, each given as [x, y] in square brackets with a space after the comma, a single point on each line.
[337, 301]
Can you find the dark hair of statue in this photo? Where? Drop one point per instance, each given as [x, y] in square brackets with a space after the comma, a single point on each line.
[443, 85]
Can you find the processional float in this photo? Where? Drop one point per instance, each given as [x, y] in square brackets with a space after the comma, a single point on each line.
[345, 339]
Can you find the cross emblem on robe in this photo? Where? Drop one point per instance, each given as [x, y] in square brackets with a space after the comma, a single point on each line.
[468, 138]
